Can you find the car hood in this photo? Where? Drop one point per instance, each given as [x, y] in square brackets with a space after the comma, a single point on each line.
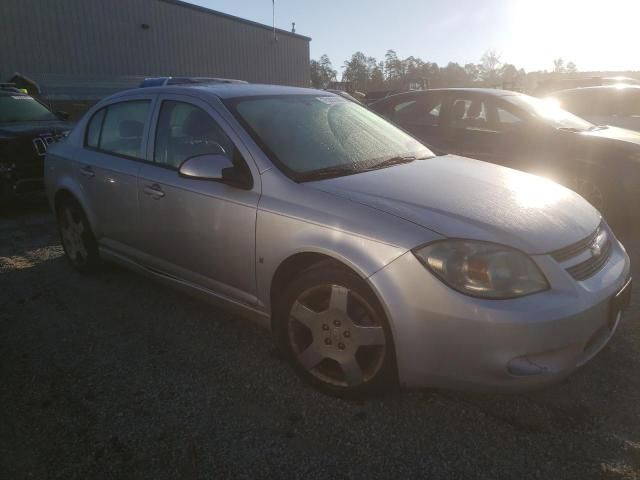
[22, 129]
[463, 198]
[614, 133]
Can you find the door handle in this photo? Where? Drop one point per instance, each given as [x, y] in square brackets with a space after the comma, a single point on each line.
[153, 190]
[87, 171]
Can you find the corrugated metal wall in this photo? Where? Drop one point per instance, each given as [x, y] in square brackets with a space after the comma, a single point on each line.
[104, 38]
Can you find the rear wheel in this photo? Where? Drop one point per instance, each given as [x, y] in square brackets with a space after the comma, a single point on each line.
[335, 333]
[78, 241]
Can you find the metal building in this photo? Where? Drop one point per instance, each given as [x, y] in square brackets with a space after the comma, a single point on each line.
[66, 44]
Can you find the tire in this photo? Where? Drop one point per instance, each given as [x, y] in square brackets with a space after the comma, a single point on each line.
[79, 243]
[334, 333]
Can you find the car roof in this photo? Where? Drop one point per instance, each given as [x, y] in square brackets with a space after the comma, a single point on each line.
[226, 90]
[484, 91]
[492, 92]
[598, 88]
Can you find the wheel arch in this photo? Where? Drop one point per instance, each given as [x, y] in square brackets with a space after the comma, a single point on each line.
[68, 191]
[293, 265]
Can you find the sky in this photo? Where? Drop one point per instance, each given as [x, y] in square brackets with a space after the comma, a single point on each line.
[593, 34]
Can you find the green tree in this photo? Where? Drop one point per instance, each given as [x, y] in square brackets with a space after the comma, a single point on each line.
[453, 75]
[490, 64]
[322, 72]
[356, 70]
[393, 67]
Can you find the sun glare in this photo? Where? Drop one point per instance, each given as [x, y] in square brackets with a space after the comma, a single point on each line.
[595, 35]
[534, 192]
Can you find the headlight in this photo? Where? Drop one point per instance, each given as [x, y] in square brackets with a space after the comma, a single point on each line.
[482, 269]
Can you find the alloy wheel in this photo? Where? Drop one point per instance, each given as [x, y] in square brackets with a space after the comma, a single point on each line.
[72, 230]
[336, 336]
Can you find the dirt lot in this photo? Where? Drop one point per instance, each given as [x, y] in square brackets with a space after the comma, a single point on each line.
[114, 376]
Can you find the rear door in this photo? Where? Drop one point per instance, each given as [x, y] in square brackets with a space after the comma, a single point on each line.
[115, 146]
[201, 231]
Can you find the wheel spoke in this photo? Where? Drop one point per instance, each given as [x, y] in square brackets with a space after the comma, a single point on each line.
[339, 297]
[368, 335]
[352, 371]
[310, 357]
[304, 315]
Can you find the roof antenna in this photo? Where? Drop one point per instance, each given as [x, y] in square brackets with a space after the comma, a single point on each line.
[293, 27]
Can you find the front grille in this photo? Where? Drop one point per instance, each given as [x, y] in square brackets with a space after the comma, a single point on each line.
[577, 248]
[590, 267]
[598, 248]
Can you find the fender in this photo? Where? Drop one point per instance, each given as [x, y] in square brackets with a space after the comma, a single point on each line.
[313, 221]
[59, 175]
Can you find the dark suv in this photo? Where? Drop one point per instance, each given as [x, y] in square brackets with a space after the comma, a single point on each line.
[27, 128]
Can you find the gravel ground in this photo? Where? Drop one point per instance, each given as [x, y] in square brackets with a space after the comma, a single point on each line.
[115, 376]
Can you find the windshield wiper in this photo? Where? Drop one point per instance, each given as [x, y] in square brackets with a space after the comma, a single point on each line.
[353, 168]
[389, 162]
[598, 127]
[571, 129]
[330, 172]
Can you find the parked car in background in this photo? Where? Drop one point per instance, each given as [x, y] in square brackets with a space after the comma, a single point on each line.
[600, 163]
[27, 129]
[552, 85]
[370, 259]
[617, 105]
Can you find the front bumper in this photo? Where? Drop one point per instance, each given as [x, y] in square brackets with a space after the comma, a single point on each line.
[446, 339]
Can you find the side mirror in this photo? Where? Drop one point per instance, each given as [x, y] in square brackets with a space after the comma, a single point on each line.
[205, 167]
[62, 115]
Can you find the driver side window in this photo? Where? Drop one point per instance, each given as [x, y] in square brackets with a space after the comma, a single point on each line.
[185, 131]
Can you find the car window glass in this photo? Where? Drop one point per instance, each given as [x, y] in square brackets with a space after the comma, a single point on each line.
[93, 130]
[506, 118]
[123, 127]
[23, 108]
[185, 131]
[624, 103]
[308, 133]
[470, 114]
[421, 112]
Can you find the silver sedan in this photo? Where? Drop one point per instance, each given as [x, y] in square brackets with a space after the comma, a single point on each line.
[371, 260]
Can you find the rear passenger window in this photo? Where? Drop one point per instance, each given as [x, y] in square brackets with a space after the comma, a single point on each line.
[93, 130]
[122, 128]
[422, 112]
[185, 131]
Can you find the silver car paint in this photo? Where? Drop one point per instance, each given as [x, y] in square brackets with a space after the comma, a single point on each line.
[465, 198]
[441, 336]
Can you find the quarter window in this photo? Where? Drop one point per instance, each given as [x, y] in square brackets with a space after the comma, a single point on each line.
[185, 131]
[422, 112]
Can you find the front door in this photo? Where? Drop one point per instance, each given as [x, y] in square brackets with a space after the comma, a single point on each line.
[200, 231]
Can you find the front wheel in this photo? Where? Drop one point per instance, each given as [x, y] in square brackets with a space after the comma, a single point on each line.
[334, 332]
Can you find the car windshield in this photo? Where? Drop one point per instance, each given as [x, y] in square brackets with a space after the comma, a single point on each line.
[22, 108]
[321, 136]
[549, 112]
